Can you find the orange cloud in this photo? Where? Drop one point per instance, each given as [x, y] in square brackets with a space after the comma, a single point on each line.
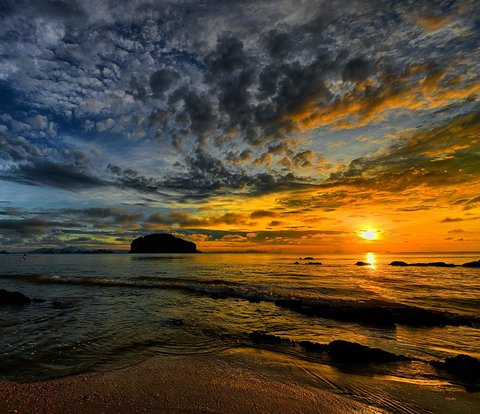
[432, 23]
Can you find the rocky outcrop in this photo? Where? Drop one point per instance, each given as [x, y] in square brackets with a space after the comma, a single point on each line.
[472, 264]
[387, 316]
[162, 243]
[363, 264]
[262, 337]
[13, 298]
[344, 351]
[431, 264]
[462, 366]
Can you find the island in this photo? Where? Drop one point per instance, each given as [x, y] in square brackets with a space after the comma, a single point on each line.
[162, 243]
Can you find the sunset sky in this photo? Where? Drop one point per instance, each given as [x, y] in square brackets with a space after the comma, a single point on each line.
[241, 125]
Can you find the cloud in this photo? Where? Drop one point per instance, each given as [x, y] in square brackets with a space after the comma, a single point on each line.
[48, 173]
[408, 163]
[451, 220]
[262, 214]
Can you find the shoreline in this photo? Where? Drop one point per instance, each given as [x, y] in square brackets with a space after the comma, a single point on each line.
[176, 384]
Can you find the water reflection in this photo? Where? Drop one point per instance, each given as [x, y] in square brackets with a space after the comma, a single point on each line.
[371, 258]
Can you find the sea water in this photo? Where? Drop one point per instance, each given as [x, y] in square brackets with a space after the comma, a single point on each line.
[101, 312]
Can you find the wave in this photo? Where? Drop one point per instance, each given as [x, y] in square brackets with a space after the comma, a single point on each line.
[367, 312]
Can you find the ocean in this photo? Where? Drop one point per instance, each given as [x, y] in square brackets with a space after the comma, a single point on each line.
[101, 312]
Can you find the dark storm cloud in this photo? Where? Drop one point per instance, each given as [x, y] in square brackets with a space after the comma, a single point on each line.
[161, 81]
[96, 214]
[48, 173]
[33, 225]
[356, 69]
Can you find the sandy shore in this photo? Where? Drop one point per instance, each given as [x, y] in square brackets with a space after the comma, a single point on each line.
[175, 384]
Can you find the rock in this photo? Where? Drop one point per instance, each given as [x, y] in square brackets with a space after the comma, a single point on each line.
[4, 252]
[461, 366]
[218, 295]
[308, 258]
[175, 322]
[294, 304]
[374, 316]
[13, 298]
[296, 263]
[38, 300]
[313, 346]
[362, 264]
[431, 264]
[434, 264]
[398, 263]
[344, 351]
[262, 337]
[472, 264]
[162, 243]
[314, 263]
[420, 317]
[253, 300]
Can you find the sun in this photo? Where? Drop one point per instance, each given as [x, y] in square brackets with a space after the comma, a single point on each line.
[368, 234]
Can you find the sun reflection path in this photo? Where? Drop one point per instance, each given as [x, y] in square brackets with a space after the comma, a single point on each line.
[371, 258]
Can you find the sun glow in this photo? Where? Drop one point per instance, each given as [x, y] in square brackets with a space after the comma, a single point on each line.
[368, 234]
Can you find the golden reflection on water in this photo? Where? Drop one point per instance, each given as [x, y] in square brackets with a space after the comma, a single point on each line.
[370, 258]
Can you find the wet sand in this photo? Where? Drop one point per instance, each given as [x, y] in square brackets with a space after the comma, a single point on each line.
[175, 384]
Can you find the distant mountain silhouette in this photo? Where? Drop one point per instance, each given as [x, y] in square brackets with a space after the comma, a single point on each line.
[162, 243]
[69, 250]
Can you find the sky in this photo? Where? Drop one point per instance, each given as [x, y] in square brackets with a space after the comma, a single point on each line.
[279, 126]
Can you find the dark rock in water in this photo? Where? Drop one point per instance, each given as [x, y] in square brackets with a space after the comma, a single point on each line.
[253, 300]
[294, 304]
[308, 258]
[216, 295]
[472, 264]
[363, 264]
[398, 263]
[313, 346]
[262, 337]
[374, 316]
[37, 300]
[421, 317]
[296, 263]
[13, 298]
[4, 252]
[431, 264]
[314, 263]
[434, 264]
[162, 243]
[461, 366]
[344, 351]
[175, 322]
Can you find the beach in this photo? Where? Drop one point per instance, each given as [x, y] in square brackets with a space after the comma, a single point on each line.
[175, 384]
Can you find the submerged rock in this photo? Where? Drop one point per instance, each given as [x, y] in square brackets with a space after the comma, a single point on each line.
[162, 243]
[262, 337]
[13, 298]
[344, 351]
[461, 366]
[313, 346]
[472, 264]
[430, 264]
[398, 263]
[363, 264]
[314, 263]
